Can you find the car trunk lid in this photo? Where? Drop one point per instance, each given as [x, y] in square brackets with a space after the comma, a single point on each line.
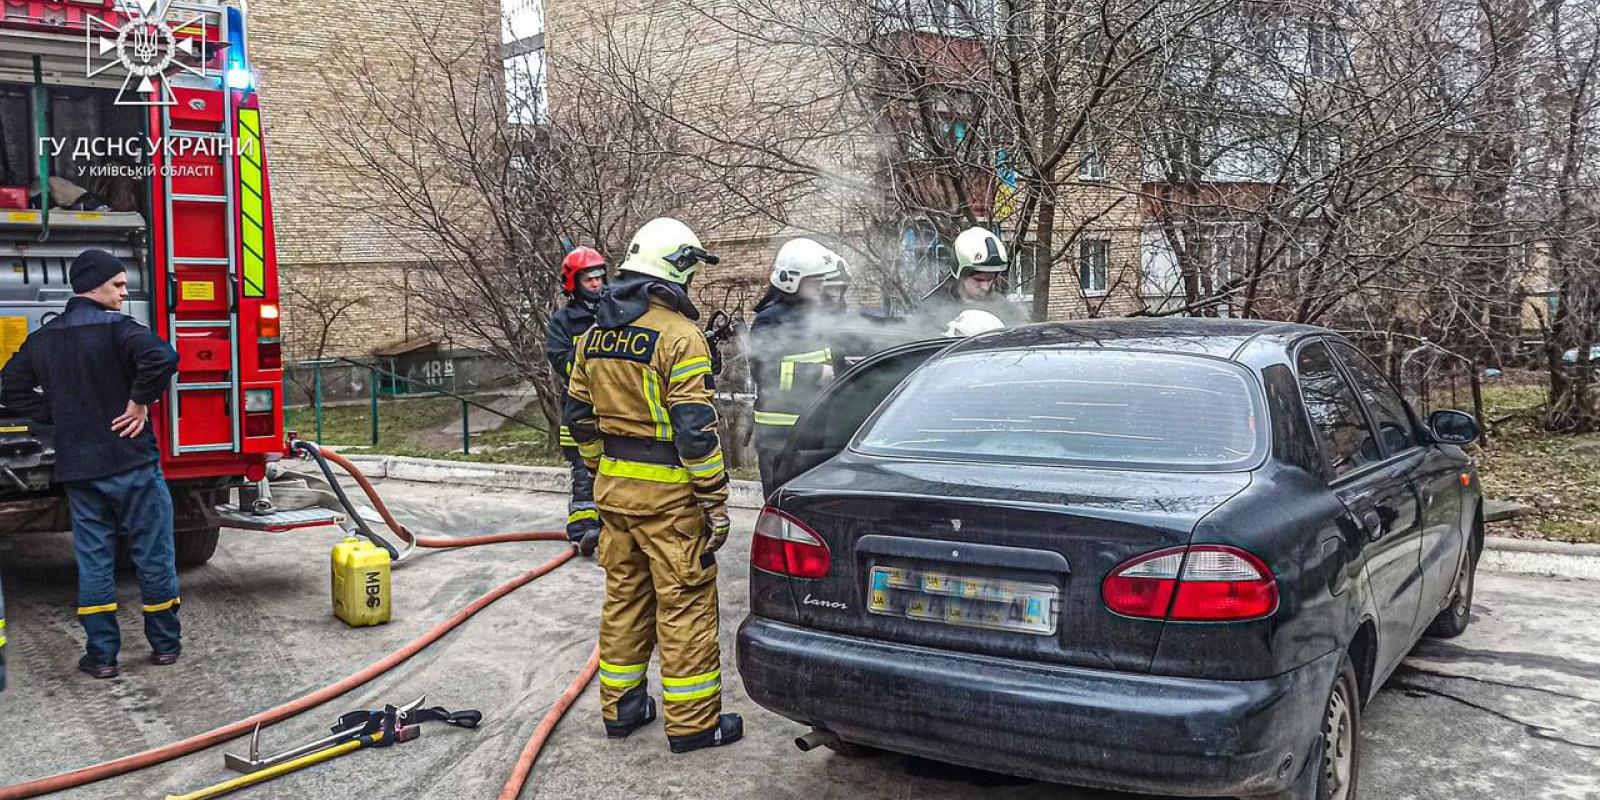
[970, 557]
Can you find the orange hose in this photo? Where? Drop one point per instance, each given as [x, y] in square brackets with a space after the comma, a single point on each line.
[108, 769]
[427, 541]
[547, 726]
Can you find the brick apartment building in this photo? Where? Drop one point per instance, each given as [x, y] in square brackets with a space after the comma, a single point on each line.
[334, 261]
[1097, 272]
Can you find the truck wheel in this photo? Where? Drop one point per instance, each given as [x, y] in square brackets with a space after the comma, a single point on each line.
[1453, 620]
[196, 545]
[194, 528]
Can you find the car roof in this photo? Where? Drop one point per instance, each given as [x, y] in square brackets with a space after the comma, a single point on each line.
[1222, 338]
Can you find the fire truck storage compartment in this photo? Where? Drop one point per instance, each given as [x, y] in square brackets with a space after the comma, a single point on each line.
[36, 250]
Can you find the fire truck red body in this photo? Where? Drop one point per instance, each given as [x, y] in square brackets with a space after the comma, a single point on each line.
[168, 171]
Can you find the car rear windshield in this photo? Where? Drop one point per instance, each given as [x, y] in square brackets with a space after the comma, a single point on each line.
[1081, 407]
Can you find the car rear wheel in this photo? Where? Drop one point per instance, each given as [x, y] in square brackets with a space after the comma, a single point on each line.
[1453, 620]
[1335, 762]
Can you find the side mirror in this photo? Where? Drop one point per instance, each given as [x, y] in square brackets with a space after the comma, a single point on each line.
[1454, 427]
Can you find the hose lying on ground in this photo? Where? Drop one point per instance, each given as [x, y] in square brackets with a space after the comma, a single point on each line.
[547, 726]
[201, 741]
[402, 531]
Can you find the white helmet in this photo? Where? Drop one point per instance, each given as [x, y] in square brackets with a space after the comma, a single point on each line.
[665, 248]
[803, 258]
[973, 322]
[980, 250]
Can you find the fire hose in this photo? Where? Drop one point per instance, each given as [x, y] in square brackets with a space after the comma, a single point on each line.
[159, 755]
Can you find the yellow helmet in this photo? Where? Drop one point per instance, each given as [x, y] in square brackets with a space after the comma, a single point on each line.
[665, 248]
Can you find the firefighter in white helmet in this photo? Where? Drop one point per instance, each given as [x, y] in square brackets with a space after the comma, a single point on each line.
[639, 405]
[974, 281]
[973, 322]
[789, 354]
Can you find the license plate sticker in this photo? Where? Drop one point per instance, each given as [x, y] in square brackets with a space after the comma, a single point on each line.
[940, 597]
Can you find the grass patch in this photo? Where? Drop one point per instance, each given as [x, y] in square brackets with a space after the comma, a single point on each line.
[400, 421]
[1554, 474]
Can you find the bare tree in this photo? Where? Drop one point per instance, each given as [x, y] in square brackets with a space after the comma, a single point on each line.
[472, 180]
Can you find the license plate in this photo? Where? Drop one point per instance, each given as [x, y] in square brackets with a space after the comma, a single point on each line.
[940, 597]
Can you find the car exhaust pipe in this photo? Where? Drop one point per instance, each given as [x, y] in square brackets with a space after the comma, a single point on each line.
[818, 737]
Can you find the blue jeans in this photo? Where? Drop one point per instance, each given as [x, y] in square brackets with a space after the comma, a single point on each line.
[136, 505]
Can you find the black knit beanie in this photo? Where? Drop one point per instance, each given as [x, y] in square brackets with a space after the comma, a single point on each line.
[92, 268]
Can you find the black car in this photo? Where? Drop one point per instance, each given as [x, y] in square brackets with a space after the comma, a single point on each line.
[1163, 556]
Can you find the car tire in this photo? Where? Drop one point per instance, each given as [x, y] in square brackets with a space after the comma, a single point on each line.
[1334, 766]
[1453, 620]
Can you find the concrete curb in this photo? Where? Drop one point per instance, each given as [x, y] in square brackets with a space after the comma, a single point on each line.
[741, 494]
[1501, 554]
[1536, 557]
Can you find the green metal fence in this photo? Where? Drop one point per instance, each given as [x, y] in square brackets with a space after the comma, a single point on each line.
[378, 379]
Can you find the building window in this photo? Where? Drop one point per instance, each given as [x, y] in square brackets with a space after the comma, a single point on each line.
[1093, 165]
[1024, 269]
[1094, 265]
[1325, 51]
[526, 89]
[522, 49]
[962, 18]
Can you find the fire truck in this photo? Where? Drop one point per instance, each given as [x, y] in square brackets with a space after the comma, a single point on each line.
[133, 126]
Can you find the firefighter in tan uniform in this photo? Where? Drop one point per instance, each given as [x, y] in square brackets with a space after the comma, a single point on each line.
[639, 407]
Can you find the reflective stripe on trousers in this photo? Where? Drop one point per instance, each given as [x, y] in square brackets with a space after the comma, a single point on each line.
[621, 676]
[694, 687]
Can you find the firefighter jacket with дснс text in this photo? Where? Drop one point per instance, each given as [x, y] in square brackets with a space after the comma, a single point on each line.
[639, 403]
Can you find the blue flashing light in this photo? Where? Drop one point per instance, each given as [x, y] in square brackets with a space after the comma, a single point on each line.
[237, 64]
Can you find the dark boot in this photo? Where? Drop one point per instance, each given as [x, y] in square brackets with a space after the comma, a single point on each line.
[730, 729]
[635, 710]
[95, 669]
[165, 659]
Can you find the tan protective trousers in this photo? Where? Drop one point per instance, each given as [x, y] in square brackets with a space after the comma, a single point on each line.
[659, 592]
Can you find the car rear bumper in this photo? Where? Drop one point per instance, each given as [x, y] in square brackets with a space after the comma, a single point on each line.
[1087, 727]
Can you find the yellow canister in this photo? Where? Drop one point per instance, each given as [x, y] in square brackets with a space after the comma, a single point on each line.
[360, 583]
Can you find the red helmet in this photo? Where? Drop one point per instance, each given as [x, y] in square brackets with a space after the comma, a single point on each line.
[577, 262]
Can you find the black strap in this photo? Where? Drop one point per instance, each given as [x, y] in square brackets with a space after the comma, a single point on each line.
[648, 451]
[468, 718]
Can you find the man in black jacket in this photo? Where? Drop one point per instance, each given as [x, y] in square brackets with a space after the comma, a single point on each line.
[583, 280]
[93, 372]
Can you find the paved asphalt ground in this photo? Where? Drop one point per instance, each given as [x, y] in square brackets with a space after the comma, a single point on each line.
[1510, 710]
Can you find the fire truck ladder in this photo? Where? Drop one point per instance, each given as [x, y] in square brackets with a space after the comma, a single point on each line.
[226, 201]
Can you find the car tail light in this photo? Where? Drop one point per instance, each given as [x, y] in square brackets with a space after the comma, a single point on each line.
[1203, 583]
[784, 546]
